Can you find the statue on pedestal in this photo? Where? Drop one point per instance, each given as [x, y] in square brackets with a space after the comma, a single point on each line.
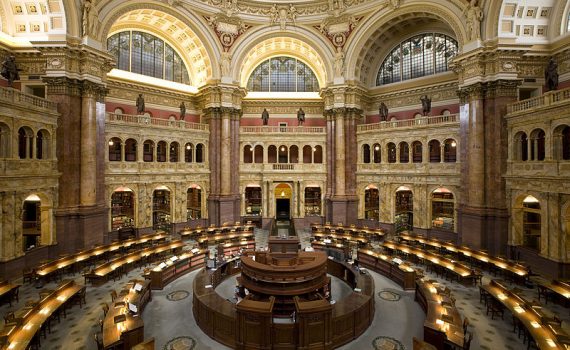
[140, 104]
[182, 110]
[426, 105]
[551, 75]
[265, 116]
[10, 70]
[300, 116]
[383, 110]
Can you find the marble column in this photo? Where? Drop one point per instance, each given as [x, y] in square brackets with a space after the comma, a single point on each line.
[482, 213]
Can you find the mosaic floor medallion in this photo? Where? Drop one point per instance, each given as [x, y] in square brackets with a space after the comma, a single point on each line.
[177, 295]
[387, 343]
[388, 295]
[180, 343]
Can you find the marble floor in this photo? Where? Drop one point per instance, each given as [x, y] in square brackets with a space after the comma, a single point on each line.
[168, 317]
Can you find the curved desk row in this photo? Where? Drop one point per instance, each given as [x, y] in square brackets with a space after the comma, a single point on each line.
[176, 266]
[330, 325]
[391, 267]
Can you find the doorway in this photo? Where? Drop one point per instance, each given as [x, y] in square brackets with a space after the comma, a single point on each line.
[282, 209]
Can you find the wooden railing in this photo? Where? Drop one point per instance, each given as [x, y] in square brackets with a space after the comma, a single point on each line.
[548, 99]
[160, 122]
[282, 129]
[15, 96]
[417, 122]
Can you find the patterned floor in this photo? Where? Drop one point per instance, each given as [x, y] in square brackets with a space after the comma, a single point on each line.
[168, 317]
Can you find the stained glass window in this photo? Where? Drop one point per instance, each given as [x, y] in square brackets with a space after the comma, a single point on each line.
[143, 53]
[418, 56]
[283, 74]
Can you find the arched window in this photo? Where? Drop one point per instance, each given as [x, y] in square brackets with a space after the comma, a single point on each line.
[391, 152]
[450, 151]
[307, 154]
[42, 145]
[282, 154]
[564, 143]
[294, 154]
[131, 150]
[258, 154]
[443, 209]
[377, 155]
[417, 152]
[115, 147]
[520, 146]
[404, 152]
[434, 151]
[420, 55]
[283, 74]
[371, 203]
[161, 151]
[366, 154]
[174, 149]
[188, 152]
[25, 142]
[143, 53]
[248, 154]
[531, 223]
[5, 141]
[148, 151]
[318, 155]
[272, 154]
[537, 150]
[199, 153]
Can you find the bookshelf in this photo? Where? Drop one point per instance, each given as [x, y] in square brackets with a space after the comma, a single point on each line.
[372, 204]
[442, 208]
[161, 210]
[312, 201]
[122, 210]
[193, 204]
[253, 201]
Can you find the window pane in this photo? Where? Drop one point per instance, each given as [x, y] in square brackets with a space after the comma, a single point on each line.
[136, 52]
[283, 74]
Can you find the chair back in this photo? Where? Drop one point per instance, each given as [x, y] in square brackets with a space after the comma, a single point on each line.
[467, 341]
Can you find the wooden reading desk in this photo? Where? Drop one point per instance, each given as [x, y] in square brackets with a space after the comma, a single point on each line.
[30, 320]
[545, 331]
[392, 267]
[8, 292]
[555, 287]
[176, 266]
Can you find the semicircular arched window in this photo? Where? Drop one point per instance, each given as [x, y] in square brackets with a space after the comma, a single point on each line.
[283, 74]
[418, 56]
[144, 53]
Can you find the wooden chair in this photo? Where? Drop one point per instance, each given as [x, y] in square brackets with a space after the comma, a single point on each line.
[465, 325]
[28, 275]
[10, 317]
[99, 341]
[495, 308]
[467, 341]
[79, 298]
[105, 308]
[113, 295]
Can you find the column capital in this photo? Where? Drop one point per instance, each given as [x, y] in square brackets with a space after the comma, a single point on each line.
[221, 95]
[75, 87]
[487, 90]
[80, 61]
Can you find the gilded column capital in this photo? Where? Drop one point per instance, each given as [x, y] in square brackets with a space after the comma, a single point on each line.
[91, 89]
[80, 61]
[471, 92]
[221, 95]
[503, 88]
[62, 86]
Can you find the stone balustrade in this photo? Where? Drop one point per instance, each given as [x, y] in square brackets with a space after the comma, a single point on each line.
[550, 98]
[411, 123]
[143, 120]
[24, 99]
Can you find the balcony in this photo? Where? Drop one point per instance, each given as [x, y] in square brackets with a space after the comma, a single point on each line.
[409, 168]
[28, 167]
[129, 119]
[129, 168]
[551, 98]
[299, 168]
[22, 99]
[423, 122]
[281, 130]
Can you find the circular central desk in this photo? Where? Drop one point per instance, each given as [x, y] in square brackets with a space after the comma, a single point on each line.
[253, 323]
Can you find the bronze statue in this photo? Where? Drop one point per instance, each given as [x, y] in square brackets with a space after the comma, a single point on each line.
[551, 75]
[383, 112]
[140, 104]
[265, 116]
[182, 110]
[300, 116]
[426, 105]
[10, 70]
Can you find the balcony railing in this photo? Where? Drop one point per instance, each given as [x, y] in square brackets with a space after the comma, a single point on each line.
[548, 99]
[283, 129]
[407, 123]
[18, 97]
[160, 122]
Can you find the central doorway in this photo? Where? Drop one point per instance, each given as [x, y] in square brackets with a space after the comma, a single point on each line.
[282, 209]
[283, 202]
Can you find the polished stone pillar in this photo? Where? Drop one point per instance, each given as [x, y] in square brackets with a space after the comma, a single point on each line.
[81, 216]
[342, 203]
[224, 198]
[482, 212]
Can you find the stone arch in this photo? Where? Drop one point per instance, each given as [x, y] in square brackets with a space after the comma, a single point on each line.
[47, 222]
[363, 65]
[517, 215]
[199, 47]
[266, 43]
